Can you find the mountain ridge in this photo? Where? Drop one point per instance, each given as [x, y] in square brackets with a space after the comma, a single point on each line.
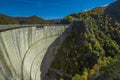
[4, 19]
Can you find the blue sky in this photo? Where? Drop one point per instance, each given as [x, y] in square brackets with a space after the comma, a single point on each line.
[48, 9]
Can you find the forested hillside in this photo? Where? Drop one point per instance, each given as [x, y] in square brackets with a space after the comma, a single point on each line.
[92, 50]
[7, 20]
[32, 20]
[22, 20]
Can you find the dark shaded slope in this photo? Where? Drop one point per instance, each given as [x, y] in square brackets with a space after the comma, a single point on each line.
[113, 10]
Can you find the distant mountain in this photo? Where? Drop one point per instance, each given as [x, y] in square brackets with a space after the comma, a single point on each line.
[55, 21]
[31, 20]
[7, 20]
[4, 19]
[36, 20]
[21, 20]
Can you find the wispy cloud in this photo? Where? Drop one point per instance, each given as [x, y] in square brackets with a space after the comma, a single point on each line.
[105, 5]
[87, 10]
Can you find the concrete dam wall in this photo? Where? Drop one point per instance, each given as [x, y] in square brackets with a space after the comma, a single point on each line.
[26, 53]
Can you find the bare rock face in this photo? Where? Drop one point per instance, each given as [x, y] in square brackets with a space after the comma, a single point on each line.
[22, 51]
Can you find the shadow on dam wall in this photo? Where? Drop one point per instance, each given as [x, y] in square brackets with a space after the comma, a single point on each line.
[51, 53]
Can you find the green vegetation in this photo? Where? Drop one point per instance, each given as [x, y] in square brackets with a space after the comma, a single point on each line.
[92, 50]
[7, 20]
[35, 20]
[22, 20]
[66, 20]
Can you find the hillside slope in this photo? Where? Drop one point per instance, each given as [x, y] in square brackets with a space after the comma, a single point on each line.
[92, 50]
[113, 10]
[7, 20]
[4, 19]
[32, 20]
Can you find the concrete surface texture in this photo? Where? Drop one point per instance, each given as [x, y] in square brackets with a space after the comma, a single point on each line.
[23, 50]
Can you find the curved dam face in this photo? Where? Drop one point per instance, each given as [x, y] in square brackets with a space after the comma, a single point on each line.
[22, 51]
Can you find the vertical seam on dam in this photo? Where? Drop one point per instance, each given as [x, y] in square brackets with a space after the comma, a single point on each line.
[33, 62]
[7, 54]
[15, 47]
[27, 52]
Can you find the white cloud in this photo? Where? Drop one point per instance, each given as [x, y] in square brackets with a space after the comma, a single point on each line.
[105, 5]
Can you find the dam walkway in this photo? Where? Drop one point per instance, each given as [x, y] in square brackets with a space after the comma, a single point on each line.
[16, 26]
